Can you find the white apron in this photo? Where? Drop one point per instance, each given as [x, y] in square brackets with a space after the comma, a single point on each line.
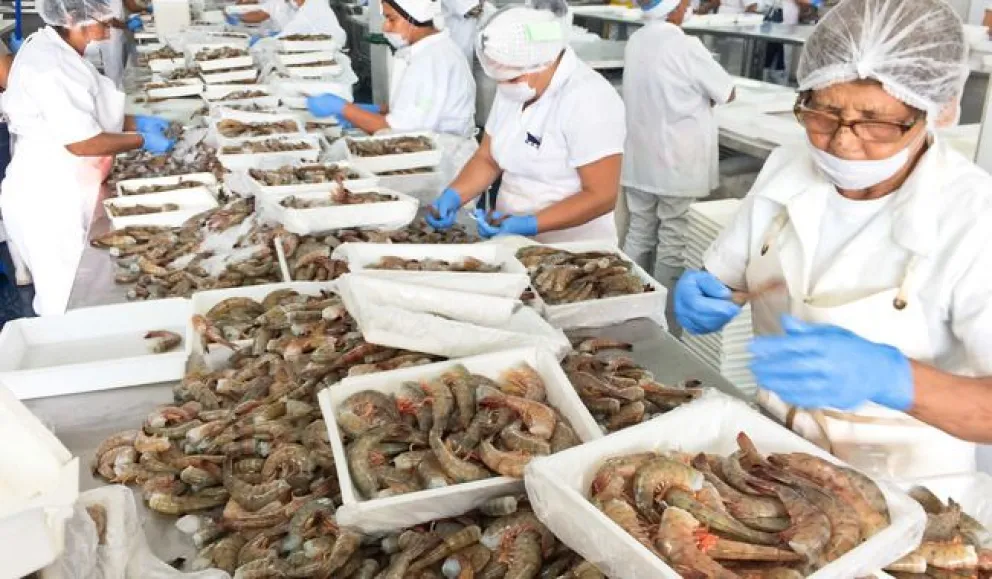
[48, 200]
[522, 195]
[875, 439]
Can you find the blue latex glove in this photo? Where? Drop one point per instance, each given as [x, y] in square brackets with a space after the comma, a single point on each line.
[150, 124]
[156, 143]
[326, 105]
[816, 366]
[445, 207]
[134, 23]
[15, 43]
[525, 225]
[232, 19]
[343, 122]
[702, 303]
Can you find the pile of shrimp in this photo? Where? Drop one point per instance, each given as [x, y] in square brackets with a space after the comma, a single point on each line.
[741, 516]
[954, 544]
[616, 391]
[454, 428]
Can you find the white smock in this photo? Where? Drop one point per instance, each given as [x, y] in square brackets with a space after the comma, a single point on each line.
[736, 6]
[54, 98]
[280, 13]
[464, 30]
[314, 17]
[917, 276]
[577, 121]
[670, 83]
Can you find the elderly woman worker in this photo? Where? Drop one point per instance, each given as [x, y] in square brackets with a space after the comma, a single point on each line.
[68, 122]
[555, 133]
[868, 251]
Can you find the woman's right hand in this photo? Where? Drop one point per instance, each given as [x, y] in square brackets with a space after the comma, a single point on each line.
[441, 214]
[156, 143]
[702, 303]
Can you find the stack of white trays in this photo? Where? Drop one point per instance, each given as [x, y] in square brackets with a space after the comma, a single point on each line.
[726, 351]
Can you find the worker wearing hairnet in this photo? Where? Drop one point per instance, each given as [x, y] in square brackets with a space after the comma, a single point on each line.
[433, 90]
[273, 14]
[68, 122]
[555, 133]
[462, 18]
[670, 84]
[867, 254]
[296, 17]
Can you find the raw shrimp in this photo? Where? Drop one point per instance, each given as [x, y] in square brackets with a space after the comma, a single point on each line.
[303, 519]
[467, 562]
[845, 529]
[658, 475]
[452, 543]
[430, 473]
[442, 403]
[524, 556]
[613, 477]
[676, 540]
[623, 514]
[948, 555]
[125, 438]
[564, 435]
[523, 381]
[172, 505]
[506, 463]
[943, 526]
[460, 470]
[458, 381]
[498, 532]
[499, 506]
[253, 497]
[593, 345]
[360, 456]
[225, 553]
[717, 520]
[209, 333]
[164, 341]
[810, 528]
[539, 419]
[268, 568]
[516, 439]
[416, 545]
[728, 550]
[740, 505]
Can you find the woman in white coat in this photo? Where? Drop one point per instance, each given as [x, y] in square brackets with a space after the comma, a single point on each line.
[313, 17]
[68, 122]
[462, 18]
[555, 134]
[867, 255]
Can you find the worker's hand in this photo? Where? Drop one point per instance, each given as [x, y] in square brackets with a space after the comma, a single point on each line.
[134, 23]
[15, 42]
[232, 19]
[369, 107]
[702, 303]
[326, 105]
[149, 124]
[525, 225]
[255, 38]
[441, 214]
[817, 365]
[156, 143]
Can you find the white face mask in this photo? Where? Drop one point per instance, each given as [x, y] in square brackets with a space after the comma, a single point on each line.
[518, 92]
[861, 174]
[395, 39]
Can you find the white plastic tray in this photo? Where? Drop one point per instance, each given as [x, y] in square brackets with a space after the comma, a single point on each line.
[250, 117]
[299, 71]
[327, 126]
[90, 349]
[508, 283]
[217, 93]
[410, 509]
[366, 181]
[308, 45]
[607, 311]
[242, 8]
[402, 161]
[269, 104]
[557, 487]
[191, 87]
[244, 75]
[207, 179]
[166, 64]
[246, 160]
[294, 92]
[225, 63]
[386, 215]
[40, 482]
[291, 58]
[190, 202]
[193, 48]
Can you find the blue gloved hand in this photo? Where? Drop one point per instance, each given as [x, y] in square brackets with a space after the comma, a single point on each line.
[702, 303]
[525, 225]
[343, 122]
[150, 124]
[442, 212]
[326, 105]
[134, 23]
[15, 43]
[255, 38]
[232, 19]
[369, 107]
[817, 365]
[156, 143]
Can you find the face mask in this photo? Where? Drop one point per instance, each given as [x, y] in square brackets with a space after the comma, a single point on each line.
[395, 39]
[518, 92]
[856, 175]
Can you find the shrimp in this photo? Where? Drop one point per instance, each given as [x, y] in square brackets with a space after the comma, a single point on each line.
[452, 543]
[584, 570]
[290, 462]
[125, 438]
[303, 519]
[845, 529]
[497, 533]
[948, 555]
[676, 540]
[499, 506]
[114, 460]
[912, 563]
[629, 414]
[442, 403]
[613, 477]
[237, 519]
[626, 517]
[267, 568]
[728, 550]
[524, 556]
[360, 456]
[225, 553]
[810, 528]
[253, 497]
[467, 562]
[416, 545]
[564, 435]
[516, 439]
[430, 473]
[209, 333]
[589, 386]
[717, 520]
[539, 419]
[173, 505]
[524, 382]
[943, 526]
[658, 475]
[459, 470]
[457, 380]
[506, 463]
[164, 341]
[740, 505]
[867, 487]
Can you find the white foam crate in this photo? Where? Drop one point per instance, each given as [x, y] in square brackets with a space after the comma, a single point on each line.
[251, 117]
[190, 203]
[365, 181]
[397, 512]
[308, 45]
[190, 87]
[194, 48]
[225, 63]
[216, 93]
[385, 215]
[207, 179]
[40, 478]
[973, 491]
[510, 282]
[238, 161]
[558, 485]
[269, 104]
[385, 163]
[291, 58]
[305, 71]
[241, 8]
[327, 127]
[294, 92]
[149, 47]
[91, 349]
[596, 313]
[244, 75]
[166, 64]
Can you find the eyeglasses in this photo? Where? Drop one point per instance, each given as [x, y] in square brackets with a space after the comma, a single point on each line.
[872, 131]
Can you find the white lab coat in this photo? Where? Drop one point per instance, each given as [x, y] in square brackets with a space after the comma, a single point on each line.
[464, 30]
[54, 98]
[736, 6]
[670, 83]
[577, 121]
[314, 17]
[280, 13]
[929, 246]
[433, 90]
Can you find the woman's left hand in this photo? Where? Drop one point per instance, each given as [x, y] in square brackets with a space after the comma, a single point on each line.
[525, 225]
[818, 366]
[149, 123]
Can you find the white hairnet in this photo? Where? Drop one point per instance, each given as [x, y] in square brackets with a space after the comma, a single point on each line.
[67, 13]
[915, 48]
[459, 7]
[658, 9]
[519, 40]
[420, 12]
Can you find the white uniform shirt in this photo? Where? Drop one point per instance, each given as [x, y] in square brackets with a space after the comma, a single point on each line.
[464, 30]
[941, 213]
[578, 120]
[279, 11]
[736, 6]
[436, 91]
[315, 17]
[669, 84]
